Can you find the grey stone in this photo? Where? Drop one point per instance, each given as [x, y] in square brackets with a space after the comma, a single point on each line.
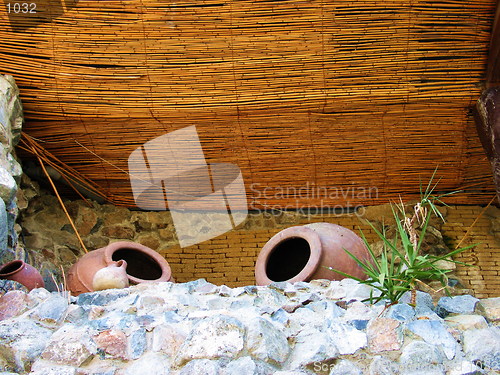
[346, 367]
[280, 316]
[383, 366]
[279, 286]
[172, 317]
[359, 311]
[271, 299]
[401, 311]
[346, 338]
[465, 322]
[434, 332]
[303, 317]
[201, 367]
[70, 345]
[75, 314]
[21, 342]
[51, 369]
[251, 290]
[311, 346]
[464, 368]
[483, 346]
[101, 298]
[465, 304]
[247, 366]
[242, 303]
[215, 337]
[51, 311]
[424, 303]
[8, 186]
[419, 357]
[489, 308]
[4, 226]
[137, 343]
[168, 338]
[266, 342]
[149, 364]
[359, 324]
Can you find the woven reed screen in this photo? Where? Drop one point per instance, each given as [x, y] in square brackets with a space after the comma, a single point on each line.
[319, 103]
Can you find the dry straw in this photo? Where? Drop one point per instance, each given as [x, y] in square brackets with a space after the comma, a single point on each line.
[299, 94]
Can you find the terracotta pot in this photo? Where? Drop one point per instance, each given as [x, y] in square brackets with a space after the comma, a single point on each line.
[143, 265]
[23, 273]
[301, 253]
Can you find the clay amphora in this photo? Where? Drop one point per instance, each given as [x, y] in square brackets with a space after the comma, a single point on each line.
[112, 276]
[143, 265]
[23, 273]
[301, 253]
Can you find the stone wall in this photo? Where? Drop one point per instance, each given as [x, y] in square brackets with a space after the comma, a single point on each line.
[11, 121]
[230, 258]
[198, 328]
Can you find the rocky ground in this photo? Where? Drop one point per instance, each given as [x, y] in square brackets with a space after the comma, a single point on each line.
[200, 328]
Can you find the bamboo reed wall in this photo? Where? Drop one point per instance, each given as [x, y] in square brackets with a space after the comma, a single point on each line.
[320, 103]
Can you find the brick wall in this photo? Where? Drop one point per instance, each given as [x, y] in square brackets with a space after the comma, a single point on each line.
[483, 275]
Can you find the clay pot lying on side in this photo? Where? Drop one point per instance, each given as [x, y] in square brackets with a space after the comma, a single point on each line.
[23, 273]
[142, 264]
[301, 253]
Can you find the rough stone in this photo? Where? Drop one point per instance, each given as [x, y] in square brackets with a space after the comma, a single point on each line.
[401, 311]
[8, 186]
[13, 303]
[465, 304]
[346, 367]
[311, 346]
[465, 322]
[168, 338]
[384, 335]
[70, 345]
[149, 364]
[113, 343]
[137, 343]
[119, 232]
[434, 332]
[465, 368]
[419, 358]
[247, 366]
[51, 369]
[483, 346]
[201, 367]
[51, 311]
[101, 298]
[4, 226]
[266, 342]
[424, 303]
[383, 366]
[215, 337]
[346, 338]
[21, 342]
[490, 308]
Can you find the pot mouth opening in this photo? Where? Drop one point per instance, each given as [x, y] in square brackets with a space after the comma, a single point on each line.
[288, 259]
[11, 267]
[139, 265]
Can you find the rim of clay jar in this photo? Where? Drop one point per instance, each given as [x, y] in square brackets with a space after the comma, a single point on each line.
[312, 264]
[165, 269]
[9, 264]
